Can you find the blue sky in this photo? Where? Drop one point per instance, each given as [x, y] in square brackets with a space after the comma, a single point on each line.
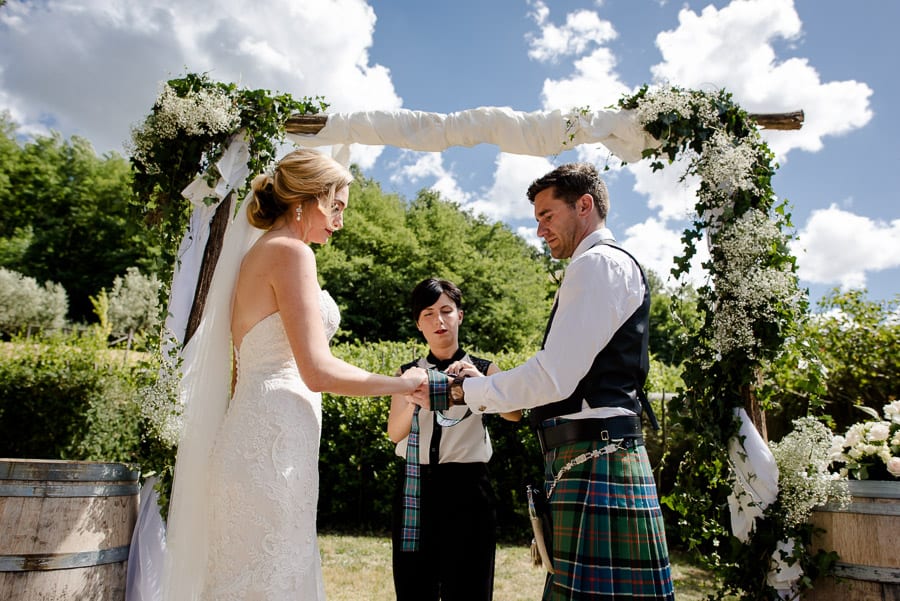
[95, 69]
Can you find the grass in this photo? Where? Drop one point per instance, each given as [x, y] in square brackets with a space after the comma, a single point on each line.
[359, 567]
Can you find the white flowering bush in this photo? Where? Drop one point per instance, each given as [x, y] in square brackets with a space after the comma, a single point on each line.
[805, 480]
[870, 450]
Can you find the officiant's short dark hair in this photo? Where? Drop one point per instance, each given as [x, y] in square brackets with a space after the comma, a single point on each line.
[571, 181]
[428, 291]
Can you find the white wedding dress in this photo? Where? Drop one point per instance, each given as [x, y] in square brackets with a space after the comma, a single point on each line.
[264, 478]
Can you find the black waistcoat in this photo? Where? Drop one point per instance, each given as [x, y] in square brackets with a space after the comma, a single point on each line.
[617, 375]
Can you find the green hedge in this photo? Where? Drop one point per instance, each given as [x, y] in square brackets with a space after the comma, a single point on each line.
[70, 398]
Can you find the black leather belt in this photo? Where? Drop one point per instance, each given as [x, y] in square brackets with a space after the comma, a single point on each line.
[625, 427]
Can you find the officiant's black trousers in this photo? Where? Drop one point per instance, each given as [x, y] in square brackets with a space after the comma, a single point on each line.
[455, 561]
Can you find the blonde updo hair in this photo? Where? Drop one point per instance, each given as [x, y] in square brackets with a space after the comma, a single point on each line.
[305, 176]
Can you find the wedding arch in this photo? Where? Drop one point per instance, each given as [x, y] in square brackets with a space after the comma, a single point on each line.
[750, 303]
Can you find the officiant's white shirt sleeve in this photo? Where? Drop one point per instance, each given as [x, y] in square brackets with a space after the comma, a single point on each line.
[601, 289]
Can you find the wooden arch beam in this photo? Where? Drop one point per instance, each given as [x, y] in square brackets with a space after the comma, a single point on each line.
[313, 124]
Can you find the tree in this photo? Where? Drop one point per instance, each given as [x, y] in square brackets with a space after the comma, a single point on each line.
[845, 356]
[65, 216]
[389, 246]
[673, 316]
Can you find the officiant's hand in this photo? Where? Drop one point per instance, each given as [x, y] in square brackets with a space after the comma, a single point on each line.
[464, 369]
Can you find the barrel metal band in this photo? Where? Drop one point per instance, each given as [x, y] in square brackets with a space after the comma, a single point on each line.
[38, 562]
[865, 508]
[870, 573]
[69, 490]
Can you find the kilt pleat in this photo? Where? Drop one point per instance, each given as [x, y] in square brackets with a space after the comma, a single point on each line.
[609, 539]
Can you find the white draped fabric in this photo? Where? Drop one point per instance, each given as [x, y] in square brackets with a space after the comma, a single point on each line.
[540, 133]
[755, 488]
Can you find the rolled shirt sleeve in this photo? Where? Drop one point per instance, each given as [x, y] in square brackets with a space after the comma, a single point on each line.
[601, 289]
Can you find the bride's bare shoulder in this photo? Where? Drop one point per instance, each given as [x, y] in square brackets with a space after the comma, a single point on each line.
[273, 246]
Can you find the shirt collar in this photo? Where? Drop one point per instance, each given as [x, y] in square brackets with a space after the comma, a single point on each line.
[442, 364]
[604, 233]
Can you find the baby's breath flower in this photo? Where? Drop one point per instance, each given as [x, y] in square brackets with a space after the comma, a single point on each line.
[804, 481]
[161, 403]
[727, 163]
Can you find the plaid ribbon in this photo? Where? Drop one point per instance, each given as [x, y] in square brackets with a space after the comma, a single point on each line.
[409, 532]
[439, 391]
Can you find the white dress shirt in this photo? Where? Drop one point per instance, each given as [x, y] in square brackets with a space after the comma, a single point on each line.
[602, 287]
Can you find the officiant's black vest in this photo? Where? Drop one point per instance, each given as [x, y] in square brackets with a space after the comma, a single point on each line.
[617, 375]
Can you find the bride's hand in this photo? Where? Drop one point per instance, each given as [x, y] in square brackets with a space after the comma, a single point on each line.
[418, 395]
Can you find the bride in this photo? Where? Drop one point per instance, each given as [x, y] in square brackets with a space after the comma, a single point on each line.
[243, 518]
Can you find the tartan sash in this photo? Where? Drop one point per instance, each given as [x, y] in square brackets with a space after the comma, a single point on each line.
[439, 391]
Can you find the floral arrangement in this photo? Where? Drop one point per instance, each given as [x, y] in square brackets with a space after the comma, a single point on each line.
[805, 480]
[186, 132]
[871, 449]
[750, 304]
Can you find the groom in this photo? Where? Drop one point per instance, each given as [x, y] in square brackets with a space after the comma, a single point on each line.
[585, 392]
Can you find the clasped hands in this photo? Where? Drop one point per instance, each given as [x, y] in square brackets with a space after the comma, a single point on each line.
[431, 380]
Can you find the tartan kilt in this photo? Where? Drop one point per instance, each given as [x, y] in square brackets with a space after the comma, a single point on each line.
[609, 540]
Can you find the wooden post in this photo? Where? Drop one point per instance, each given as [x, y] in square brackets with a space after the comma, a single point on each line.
[211, 253]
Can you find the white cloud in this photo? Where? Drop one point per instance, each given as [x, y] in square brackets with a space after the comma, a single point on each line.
[506, 200]
[429, 165]
[665, 192]
[838, 247]
[583, 28]
[732, 48]
[529, 234]
[655, 246]
[96, 66]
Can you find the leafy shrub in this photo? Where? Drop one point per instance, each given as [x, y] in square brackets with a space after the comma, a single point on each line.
[24, 304]
[64, 398]
[134, 304]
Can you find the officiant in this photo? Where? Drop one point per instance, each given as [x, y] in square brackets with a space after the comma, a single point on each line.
[445, 523]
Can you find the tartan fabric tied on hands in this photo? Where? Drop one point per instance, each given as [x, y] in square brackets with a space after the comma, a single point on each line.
[409, 533]
[439, 390]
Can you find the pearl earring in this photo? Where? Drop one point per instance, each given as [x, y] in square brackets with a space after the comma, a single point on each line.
[299, 212]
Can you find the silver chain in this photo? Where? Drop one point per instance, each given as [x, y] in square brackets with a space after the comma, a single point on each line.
[612, 447]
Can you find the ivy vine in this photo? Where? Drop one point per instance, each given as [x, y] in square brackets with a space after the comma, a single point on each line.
[750, 304]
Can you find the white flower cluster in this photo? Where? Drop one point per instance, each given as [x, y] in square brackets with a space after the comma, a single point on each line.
[727, 163]
[867, 443]
[161, 404]
[804, 480]
[207, 111]
[751, 288]
[666, 99]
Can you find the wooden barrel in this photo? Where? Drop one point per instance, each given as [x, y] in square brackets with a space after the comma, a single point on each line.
[866, 536]
[65, 529]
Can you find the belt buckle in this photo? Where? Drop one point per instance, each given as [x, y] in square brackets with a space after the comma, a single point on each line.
[604, 435]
